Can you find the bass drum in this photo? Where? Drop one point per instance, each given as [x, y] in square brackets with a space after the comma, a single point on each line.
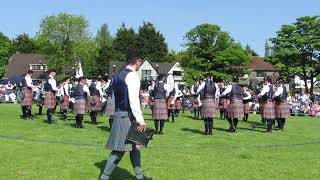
[169, 80]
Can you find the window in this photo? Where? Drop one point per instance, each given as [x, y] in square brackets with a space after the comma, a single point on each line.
[261, 74]
[177, 73]
[38, 67]
[146, 74]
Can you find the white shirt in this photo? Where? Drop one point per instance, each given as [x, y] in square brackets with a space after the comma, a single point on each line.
[86, 89]
[264, 90]
[65, 89]
[248, 95]
[28, 81]
[192, 90]
[133, 82]
[227, 90]
[278, 92]
[202, 85]
[99, 88]
[53, 83]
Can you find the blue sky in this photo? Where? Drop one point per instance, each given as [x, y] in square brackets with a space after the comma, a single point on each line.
[248, 21]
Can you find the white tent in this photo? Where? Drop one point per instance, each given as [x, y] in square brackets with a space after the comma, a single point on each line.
[79, 71]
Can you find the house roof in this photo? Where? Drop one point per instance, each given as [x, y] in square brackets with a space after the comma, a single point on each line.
[19, 64]
[257, 63]
[118, 66]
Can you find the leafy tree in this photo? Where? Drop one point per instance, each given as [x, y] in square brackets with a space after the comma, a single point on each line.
[213, 50]
[24, 44]
[124, 40]
[251, 51]
[151, 43]
[5, 53]
[64, 39]
[104, 38]
[297, 50]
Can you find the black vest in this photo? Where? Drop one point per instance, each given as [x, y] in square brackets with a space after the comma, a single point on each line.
[24, 82]
[158, 91]
[78, 92]
[236, 92]
[269, 94]
[283, 96]
[173, 92]
[209, 88]
[120, 90]
[93, 90]
[48, 87]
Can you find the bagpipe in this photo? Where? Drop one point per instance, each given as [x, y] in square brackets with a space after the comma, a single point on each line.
[142, 138]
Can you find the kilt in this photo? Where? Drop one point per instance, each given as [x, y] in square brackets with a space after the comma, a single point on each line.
[171, 106]
[226, 103]
[109, 108]
[282, 110]
[208, 108]
[160, 110]
[151, 101]
[27, 101]
[178, 104]
[118, 136]
[96, 107]
[268, 110]
[49, 100]
[246, 108]
[235, 109]
[195, 103]
[79, 106]
[65, 103]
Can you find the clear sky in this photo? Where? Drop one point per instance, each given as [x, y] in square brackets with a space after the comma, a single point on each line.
[248, 21]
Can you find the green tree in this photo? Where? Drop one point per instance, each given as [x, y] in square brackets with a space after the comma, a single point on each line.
[24, 44]
[151, 43]
[213, 50]
[124, 40]
[297, 49]
[104, 38]
[64, 39]
[251, 51]
[5, 53]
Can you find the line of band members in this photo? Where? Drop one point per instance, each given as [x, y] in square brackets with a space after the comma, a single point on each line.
[233, 102]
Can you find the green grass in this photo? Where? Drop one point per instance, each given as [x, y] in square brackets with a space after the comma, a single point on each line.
[36, 150]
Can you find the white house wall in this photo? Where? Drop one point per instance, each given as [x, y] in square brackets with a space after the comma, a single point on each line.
[146, 66]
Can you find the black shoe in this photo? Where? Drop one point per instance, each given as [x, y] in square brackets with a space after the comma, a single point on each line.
[161, 133]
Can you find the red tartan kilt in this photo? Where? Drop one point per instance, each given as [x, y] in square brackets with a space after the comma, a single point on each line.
[151, 101]
[178, 104]
[195, 103]
[235, 109]
[160, 110]
[27, 101]
[97, 106]
[246, 108]
[109, 108]
[208, 108]
[268, 110]
[282, 110]
[65, 103]
[49, 100]
[79, 106]
[171, 106]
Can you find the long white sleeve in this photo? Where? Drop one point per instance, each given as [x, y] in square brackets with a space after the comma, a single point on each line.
[28, 81]
[217, 91]
[86, 89]
[201, 86]
[248, 96]
[133, 82]
[227, 90]
[99, 88]
[264, 90]
[278, 92]
[66, 89]
[192, 90]
[53, 84]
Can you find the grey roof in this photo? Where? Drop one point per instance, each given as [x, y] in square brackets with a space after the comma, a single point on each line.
[19, 64]
[118, 66]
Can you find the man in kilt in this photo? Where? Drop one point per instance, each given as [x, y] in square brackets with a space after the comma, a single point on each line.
[235, 109]
[81, 91]
[178, 102]
[160, 109]
[26, 102]
[268, 106]
[195, 102]
[126, 86]
[246, 108]
[210, 91]
[110, 105]
[96, 93]
[171, 103]
[50, 101]
[64, 90]
[282, 106]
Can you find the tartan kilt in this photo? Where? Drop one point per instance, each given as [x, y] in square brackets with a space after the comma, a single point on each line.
[65, 103]
[178, 104]
[79, 106]
[49, 100]
[195, 103]
[160, 110]
[208, 108]
[109, 108]
[235, 109]
[282, 110]
[27, 100]
[96, 107]
[118, 135]
[151, 101]
[246, 108]
[268, 110]
[171, 106]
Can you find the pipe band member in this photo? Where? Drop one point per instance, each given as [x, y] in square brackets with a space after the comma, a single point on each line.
[51, 89]
[282, 106]
[64, 90]
[96, 93]
[26, 102]
[246, 107]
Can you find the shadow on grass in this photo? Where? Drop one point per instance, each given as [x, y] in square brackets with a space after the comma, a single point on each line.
[196, 131]
[118, 173]
[252, 129]
[104, 128]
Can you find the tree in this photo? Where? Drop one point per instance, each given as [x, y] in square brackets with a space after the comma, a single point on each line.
[104, 38]
[5, 53]
[24, 44]
[64, 39]
[251, 51]
[125, 39]
[151, 43]
[213, 50]
[297, 50]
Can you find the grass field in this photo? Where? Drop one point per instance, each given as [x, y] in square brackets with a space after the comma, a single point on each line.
[36, 150]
